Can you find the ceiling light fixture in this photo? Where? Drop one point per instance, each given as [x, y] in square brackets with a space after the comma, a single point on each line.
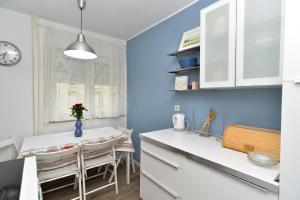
[80, 49]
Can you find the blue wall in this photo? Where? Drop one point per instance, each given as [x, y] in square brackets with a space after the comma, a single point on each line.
[150, 105]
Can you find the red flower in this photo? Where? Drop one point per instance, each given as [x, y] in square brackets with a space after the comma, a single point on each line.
[77, 111]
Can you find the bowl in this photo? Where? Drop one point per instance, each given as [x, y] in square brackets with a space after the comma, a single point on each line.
[186, 62]
[262, 159]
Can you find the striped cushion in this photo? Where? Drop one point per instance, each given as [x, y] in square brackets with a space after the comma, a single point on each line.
[54, 163]
[88, 154]
[127, 144]
[44, 164]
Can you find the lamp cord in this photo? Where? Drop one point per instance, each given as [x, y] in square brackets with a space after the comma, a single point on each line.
[81, 20]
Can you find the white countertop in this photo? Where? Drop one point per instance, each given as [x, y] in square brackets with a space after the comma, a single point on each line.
[212, 150]
[29, 188]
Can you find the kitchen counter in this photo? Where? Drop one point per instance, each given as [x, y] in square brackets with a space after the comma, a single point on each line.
[210, 152]
[29, 189]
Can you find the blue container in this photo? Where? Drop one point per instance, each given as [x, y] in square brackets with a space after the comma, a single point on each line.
[78, 131]
[186, 62]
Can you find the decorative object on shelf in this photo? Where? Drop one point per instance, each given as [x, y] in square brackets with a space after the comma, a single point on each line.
[195, 85]
[187, 61]
[10, 54]
[80, 49]
[204, 129]
[262, 159]
[77, 112]
[190, 39]
[181, 82]
[190, 44]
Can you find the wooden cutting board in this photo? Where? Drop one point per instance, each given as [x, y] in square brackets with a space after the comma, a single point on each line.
[252, 139]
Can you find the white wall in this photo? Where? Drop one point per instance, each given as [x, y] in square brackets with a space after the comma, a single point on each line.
[16, 84]
[16, 91]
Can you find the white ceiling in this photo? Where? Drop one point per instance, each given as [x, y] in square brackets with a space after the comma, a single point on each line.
[122, 19]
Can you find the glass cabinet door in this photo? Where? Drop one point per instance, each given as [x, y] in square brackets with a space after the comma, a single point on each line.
[217, 53]
[258, 42]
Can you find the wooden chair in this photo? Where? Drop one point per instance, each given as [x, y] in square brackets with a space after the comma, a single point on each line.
[10, 143]
[53, 165]
[126, 150]
[98, 154]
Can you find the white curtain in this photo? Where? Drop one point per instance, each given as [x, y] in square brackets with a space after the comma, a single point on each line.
[60, 81]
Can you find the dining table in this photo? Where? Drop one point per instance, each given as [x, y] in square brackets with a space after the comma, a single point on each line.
[44, 141]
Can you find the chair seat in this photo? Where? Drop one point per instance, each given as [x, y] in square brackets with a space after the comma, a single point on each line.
[95, 162]
[126, 146]
[56, 173]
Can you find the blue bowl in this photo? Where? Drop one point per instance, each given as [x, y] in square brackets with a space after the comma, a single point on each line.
[186, 62]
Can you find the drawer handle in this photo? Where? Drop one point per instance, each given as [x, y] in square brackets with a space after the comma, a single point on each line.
[247, 182]
[161, 159]
[297, 81]
[156, 182]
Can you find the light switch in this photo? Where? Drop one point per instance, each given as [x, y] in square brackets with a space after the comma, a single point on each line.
[177, 108]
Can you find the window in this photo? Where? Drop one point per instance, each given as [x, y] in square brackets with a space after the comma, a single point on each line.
[63, 81]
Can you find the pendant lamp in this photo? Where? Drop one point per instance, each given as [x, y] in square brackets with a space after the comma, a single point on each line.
[80, 49]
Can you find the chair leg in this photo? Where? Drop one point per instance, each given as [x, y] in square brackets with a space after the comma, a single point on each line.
[116, 178]
[83, 183]
[132, 162]
[80, 186]
[99, 169]
[105, 172]
[40, 192]
[75, 182]
[118, 163]
[119, 160]
[128, 168]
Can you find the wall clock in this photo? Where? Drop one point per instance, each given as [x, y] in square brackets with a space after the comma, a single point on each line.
[10, 54]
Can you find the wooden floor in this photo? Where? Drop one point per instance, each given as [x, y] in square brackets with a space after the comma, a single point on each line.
[126, 192]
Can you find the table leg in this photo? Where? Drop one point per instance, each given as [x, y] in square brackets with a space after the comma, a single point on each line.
[128, 168]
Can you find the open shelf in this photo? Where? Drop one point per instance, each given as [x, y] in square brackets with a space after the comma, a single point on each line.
[183, 70]
[185, 52]
[188, 90]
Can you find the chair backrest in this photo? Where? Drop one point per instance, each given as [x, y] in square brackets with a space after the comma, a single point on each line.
[57, 157]
[125, 130]
[10, 142]
[101, 147]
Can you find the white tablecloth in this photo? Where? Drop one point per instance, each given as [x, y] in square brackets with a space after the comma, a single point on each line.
[55, 139]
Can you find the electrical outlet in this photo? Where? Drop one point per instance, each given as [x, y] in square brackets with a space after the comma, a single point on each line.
[177, 108]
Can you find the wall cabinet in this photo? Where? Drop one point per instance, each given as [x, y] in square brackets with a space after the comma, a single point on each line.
[240, 43]
[217, 54]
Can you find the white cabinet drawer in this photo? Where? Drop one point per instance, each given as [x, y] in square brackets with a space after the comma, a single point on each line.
[165, 173]
[152, 190]
[210, 184]
[162, 154]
